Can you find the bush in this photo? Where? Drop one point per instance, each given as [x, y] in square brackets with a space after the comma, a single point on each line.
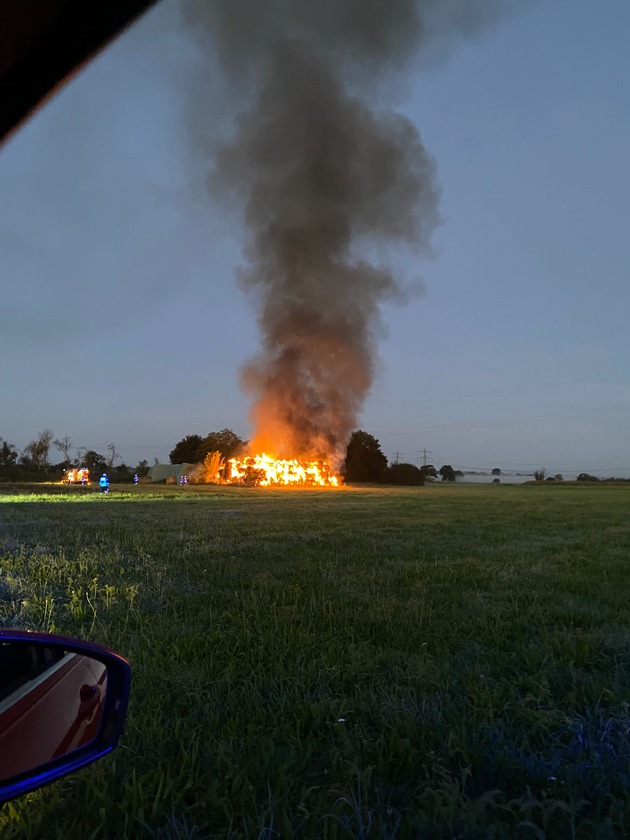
[402, 475]
[587, 477]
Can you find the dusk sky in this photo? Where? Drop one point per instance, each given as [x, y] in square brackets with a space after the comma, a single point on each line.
[121, 320]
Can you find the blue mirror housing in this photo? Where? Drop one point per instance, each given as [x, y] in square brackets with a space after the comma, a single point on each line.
[63, 704]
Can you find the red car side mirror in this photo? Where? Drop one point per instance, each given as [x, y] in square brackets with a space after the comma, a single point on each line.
[62, 705]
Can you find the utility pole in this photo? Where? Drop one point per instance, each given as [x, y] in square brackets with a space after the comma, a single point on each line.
[426, 456]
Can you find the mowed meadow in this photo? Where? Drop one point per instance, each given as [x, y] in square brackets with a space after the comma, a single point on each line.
[433, 662]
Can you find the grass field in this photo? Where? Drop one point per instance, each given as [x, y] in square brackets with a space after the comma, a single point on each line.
[434, 662]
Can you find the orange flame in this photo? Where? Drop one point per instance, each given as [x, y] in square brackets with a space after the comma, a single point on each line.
[265, 471]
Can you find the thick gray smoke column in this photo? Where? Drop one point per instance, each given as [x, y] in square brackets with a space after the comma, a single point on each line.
[320, 176]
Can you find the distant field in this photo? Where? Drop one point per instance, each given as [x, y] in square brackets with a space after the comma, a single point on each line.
[433, 662]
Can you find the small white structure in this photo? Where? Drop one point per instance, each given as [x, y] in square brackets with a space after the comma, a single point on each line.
[161, 472]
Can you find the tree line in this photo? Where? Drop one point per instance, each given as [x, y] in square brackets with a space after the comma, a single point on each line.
[364, 461]
[35, 462]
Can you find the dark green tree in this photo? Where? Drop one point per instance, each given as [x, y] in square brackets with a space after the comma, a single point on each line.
[120, 474]
[8, 455]
[227, 442]
[428, 472]
[496, 471]
[447, 472]
[364, 459]
[26, 462]
[187, 450]
[95, 463]
[142, 467]
[402, 474]
[8, 461]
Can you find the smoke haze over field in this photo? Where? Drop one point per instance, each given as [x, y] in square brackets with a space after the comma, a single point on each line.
[323, 175]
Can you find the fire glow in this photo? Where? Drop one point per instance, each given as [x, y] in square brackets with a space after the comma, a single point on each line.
[265, 471]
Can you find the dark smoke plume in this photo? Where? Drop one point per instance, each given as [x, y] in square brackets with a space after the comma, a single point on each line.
[322, 176]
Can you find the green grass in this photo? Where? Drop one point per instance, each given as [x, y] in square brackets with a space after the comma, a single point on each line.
[435, 662]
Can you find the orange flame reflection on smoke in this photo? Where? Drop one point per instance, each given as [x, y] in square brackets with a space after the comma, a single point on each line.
[264, 470]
